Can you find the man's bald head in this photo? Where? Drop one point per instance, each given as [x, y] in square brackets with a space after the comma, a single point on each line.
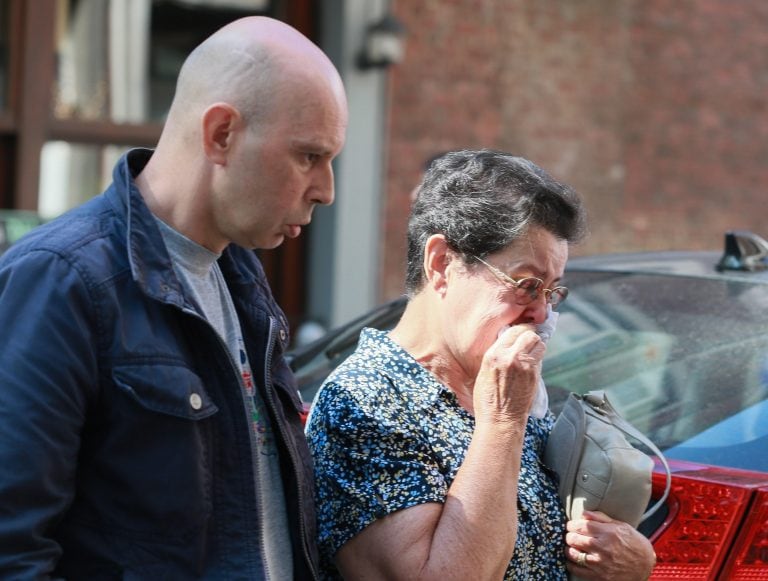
[246, 153]
[245, 64]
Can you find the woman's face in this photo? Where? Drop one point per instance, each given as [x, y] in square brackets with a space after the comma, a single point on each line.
[480, 305]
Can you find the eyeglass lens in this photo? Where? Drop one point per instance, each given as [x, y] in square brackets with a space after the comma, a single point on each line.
[528, 291]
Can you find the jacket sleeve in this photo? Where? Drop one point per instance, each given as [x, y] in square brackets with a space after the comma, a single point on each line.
[47, 369]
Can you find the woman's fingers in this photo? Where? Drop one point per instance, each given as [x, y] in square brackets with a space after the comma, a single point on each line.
[510, 373]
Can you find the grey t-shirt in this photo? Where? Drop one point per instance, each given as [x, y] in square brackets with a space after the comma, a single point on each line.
[199, 273]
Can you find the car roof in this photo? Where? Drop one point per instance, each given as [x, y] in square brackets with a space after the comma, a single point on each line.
[697, 264]
[744, 258]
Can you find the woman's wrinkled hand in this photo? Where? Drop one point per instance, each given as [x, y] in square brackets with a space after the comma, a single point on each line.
[600, 548]
[509, 375]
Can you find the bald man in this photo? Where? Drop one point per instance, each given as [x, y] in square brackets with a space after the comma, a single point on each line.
[149, 424]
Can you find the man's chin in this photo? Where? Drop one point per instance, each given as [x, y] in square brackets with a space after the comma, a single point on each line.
[273, 243]
[292, 231]
[269, 244]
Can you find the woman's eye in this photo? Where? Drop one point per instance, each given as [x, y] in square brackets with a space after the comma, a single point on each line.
[529, 284]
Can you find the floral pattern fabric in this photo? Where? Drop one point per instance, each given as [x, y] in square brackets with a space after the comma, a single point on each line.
[386, 435]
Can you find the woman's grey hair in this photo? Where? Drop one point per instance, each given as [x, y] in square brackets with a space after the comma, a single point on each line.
[482, 201]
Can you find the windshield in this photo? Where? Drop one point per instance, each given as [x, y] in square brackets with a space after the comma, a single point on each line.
[683, 359]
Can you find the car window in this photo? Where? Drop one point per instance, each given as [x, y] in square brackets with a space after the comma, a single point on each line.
[684, 359]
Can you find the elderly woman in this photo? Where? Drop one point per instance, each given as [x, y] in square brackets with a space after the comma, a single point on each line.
[428, 462]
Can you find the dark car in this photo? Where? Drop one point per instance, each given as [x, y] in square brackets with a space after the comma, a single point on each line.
[679, 342]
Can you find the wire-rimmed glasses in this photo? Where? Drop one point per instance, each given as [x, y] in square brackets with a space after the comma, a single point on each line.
[527, 289]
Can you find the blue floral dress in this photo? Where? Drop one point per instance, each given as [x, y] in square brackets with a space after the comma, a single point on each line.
[386, 435]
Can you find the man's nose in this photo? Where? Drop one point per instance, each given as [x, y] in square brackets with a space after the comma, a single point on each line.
[323, 186]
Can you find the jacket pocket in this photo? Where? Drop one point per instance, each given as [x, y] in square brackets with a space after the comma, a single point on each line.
[167, 389]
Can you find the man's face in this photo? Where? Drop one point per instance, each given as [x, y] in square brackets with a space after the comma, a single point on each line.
[281, 169]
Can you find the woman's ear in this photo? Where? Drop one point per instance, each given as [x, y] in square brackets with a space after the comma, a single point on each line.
[219, 123]
[437, 259]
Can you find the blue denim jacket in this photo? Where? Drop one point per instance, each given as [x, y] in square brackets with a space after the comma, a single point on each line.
[124, 444]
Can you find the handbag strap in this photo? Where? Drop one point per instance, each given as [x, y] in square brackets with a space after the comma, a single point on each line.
[599, 403]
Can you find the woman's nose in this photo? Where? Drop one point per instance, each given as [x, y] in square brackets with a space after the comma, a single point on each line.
[537, 309]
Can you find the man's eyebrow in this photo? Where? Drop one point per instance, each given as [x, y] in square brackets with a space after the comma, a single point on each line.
[304, 142]
[313, 146]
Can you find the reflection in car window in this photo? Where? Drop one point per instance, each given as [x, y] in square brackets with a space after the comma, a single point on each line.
[679, 357]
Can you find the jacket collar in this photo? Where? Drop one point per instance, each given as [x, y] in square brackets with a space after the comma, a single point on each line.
[151, 266]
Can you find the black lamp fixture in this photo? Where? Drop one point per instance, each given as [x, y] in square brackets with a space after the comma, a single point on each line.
[384, 44]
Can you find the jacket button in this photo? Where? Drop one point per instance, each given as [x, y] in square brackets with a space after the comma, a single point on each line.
[282, 335]
[195, 401]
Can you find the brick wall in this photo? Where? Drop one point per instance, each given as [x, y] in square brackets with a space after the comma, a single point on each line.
[655, 110]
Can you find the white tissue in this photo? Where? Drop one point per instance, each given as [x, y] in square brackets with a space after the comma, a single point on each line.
[540, 403]
[547, 328]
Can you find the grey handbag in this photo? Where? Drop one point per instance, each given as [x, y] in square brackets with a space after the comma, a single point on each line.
[598, 467]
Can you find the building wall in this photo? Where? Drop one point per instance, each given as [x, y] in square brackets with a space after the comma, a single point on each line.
[655, 110]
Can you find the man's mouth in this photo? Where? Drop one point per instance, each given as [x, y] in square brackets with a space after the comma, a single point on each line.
[293, 230]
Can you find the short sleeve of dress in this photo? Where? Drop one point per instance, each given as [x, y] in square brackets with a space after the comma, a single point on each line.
[370, 458]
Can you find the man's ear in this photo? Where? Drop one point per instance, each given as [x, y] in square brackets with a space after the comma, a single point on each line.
[437, 258]
[220, 122]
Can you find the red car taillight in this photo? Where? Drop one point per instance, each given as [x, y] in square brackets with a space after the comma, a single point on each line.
[749, 561]
[707, 509]
[698, 529]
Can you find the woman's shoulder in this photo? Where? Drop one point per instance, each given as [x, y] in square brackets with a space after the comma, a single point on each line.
[375, 361]
[379, 381]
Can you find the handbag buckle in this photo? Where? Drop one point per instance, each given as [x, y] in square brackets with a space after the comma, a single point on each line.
[597, 402]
